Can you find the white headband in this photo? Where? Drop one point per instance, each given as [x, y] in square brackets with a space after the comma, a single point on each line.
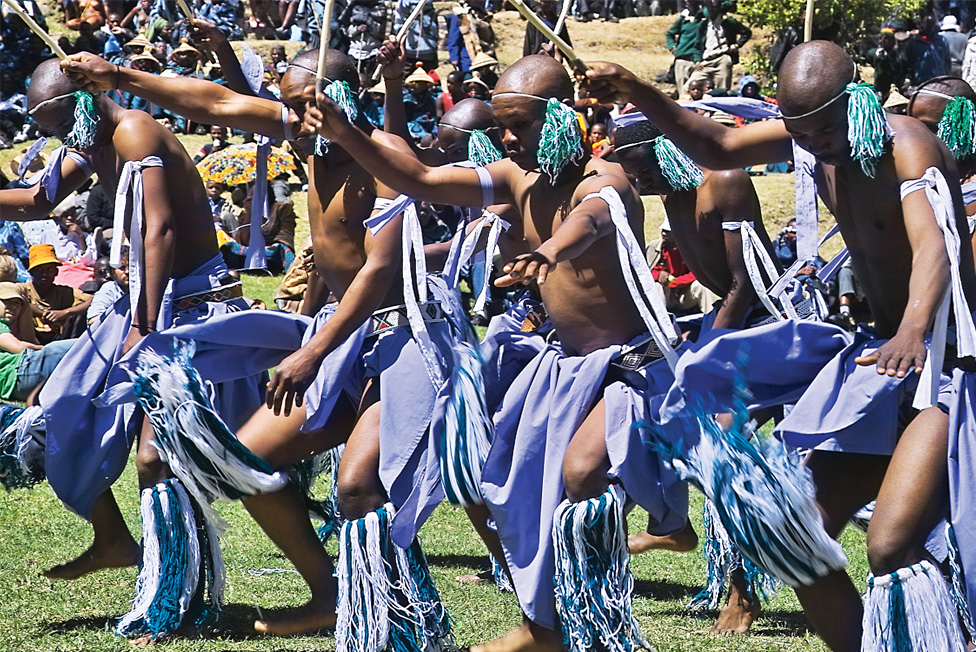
[925, 91]
[642, 142]
[51, 101]
[825, 104]
[466, 131]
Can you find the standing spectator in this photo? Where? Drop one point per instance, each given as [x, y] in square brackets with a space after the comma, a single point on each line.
[890, 68]
[724, 35]
[468, 34]
[224, 16]
[483, 67]
[686, 41]
[927, 53]
[534, 40]
[422, 37]
[365, 22]
[957, 43]
[56, 308]
[454, 94]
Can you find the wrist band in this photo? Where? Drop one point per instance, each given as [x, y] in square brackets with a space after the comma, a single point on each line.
[144, 328]
[400, 76]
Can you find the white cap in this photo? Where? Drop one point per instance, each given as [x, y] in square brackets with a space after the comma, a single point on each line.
[950, 22]
[666, 224]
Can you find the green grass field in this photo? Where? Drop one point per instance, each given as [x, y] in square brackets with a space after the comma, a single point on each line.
[37, 614]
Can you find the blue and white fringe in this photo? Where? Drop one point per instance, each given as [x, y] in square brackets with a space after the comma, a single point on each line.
[193, 439]
[384, 603]
[594, 587]
[765, 498]
[959, 596]
[464, 435]
[22, 432]
[910, 609]
[722, 559]
[181, 580]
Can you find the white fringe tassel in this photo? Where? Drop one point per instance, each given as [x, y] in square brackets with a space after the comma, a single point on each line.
[910, 609]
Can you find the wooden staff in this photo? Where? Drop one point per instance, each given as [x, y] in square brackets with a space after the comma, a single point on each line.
[562, 16]
[414, 15]
[546, 31]
[186, 10]
[34, 27]
[325, 29]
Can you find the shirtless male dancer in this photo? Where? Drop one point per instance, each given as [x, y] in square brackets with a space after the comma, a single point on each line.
[899, 254]
[705, 216]
[87, 447]
[575, 263]
[361, 269]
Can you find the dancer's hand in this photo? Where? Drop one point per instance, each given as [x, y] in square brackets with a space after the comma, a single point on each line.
[290, 381]
[898, 356]
[323, 116]
[392, 58]
[91, 72]
[526, 268]
[609, 83]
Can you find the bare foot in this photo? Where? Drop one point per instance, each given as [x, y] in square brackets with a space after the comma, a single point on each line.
[116, 555]
[527, 638]
[474, 578]
[310, 617]
[736, 616]
[683, 540]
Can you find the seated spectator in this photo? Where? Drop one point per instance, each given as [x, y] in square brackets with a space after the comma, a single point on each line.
[8, 268]
[138, 18]
[221, 139]
[116, 35]
[70, 241]
[184, 59]
[100, 214]
[483, 67]
[420, 103]
[477, 89]
[683, 294]
[24, 363]
[58, 310]
[101, 274]
[224, 16]
[114, 288]
[598, 141]
[278, 232]
[279, 61]
[373, 108]
[77, 12]
[87, 41]
[215, 195]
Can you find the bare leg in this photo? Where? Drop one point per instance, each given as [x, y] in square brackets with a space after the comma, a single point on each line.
[914, 496]
[845, 482]
[113, 546]
[284, 517]
[684, 540]
[740, 610]
[360, 489]
[479, 515]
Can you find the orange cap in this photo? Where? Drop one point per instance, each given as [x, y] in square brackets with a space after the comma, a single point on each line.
[41, 254]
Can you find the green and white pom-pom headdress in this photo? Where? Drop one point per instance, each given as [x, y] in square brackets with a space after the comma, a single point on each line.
[867, 125]
[681, 172]
[340, 93]
[82, 135]
[957, 128]
[481, 151]
[561, 140]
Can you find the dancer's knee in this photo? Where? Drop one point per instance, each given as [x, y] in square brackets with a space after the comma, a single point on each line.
[583, 480]
[359, 495]
[888, 551]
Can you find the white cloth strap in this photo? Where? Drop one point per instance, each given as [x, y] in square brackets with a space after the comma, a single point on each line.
[734, 226]
[285, 125]
[646, 294]
[50, 177]
[487, 187]
[937, 192]
[256, 258]
[131, 179]
[414, 294]
[805, 208]
[755, 254]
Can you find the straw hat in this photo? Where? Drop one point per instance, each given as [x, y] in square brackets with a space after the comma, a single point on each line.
[186, 47]
[140, 41]
[483, 60]
[41, 254]
[419, 75]
[896, 101]
[146, 56]
[476, 80]
[379, 88]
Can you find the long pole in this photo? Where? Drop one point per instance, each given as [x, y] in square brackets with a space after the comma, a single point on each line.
[34, 27]
[414, 15]
[546, 31]
[562, 16]
[808, 23]
[325, 29]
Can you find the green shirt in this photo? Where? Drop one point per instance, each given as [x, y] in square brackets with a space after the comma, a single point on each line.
[9, 365]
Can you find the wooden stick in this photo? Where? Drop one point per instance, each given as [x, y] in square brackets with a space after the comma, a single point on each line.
[186, 10]
[325, 30]
[414, 15]
[546, 31]
[34, 27]
[562, 16]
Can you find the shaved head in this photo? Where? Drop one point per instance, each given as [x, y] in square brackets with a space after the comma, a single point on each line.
[812, 75]
[47, 81]
[946, 85]
[538, 74]
[338, 67]
[469, 114]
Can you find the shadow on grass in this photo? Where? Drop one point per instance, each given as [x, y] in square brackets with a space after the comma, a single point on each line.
[776, 623]
[664, 590]
[89, 623]
[479, 562]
